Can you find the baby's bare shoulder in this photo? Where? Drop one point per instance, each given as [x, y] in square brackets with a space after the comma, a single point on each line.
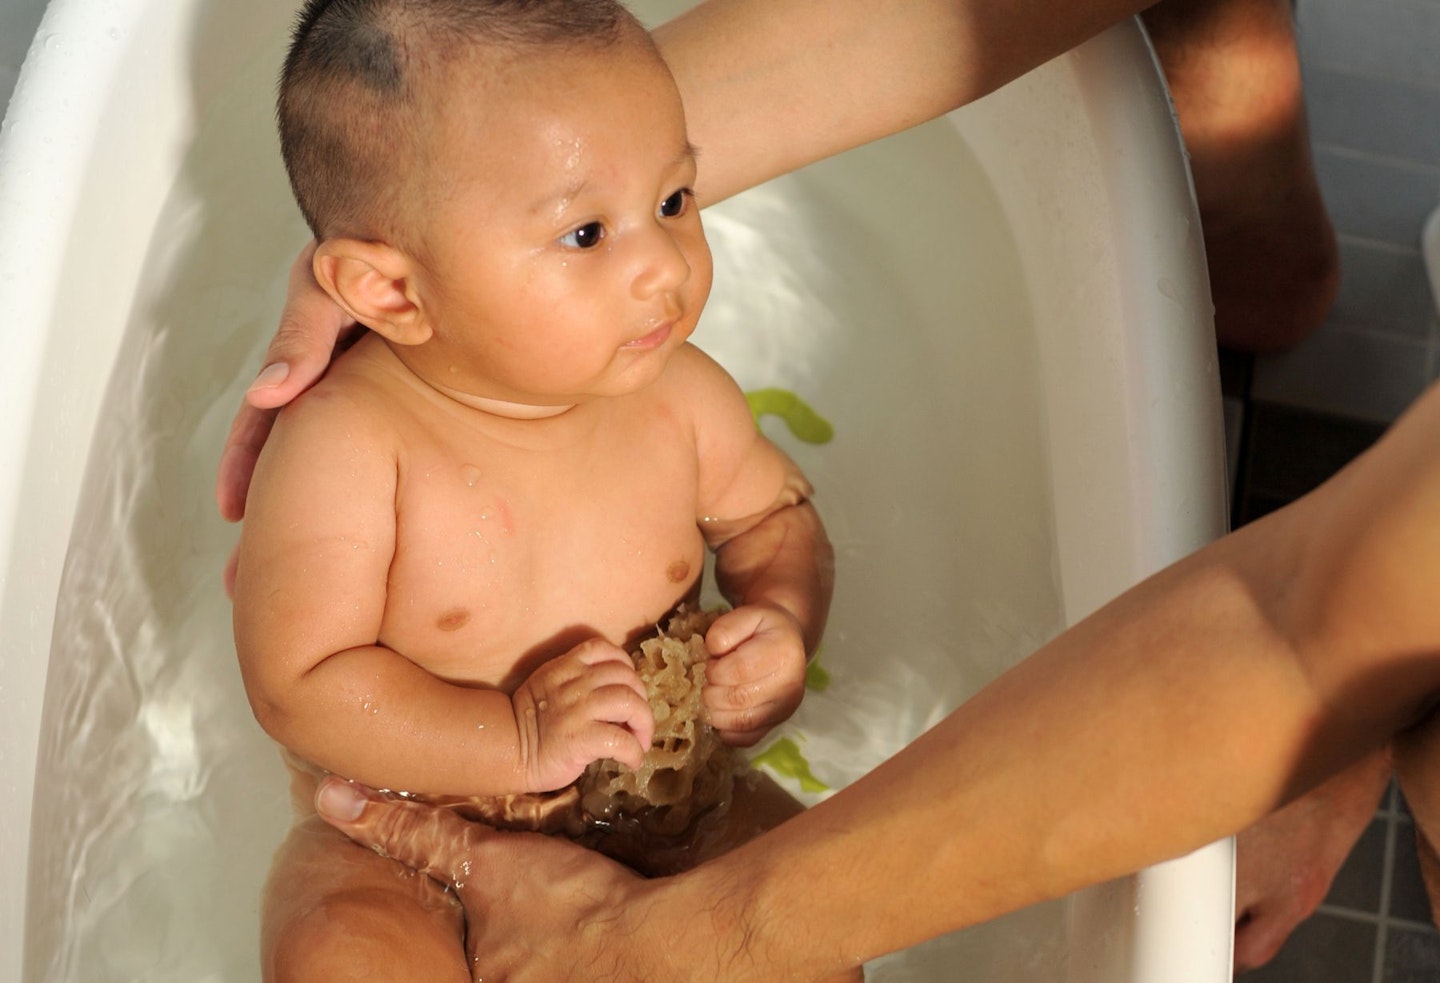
[345, 411]
[696, 380]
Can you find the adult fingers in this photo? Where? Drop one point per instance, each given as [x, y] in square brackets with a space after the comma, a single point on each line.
[432, 840]
[237, 460]
[310, 325]
[231, 565]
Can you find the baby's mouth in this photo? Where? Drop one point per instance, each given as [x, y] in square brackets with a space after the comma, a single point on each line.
[654, 339]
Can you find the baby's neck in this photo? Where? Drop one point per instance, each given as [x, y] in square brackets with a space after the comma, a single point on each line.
[499, 407]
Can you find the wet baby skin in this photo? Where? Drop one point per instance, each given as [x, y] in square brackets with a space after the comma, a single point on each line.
[453, 539]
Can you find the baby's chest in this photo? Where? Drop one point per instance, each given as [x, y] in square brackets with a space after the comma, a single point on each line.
[494, 557]
[543, 527]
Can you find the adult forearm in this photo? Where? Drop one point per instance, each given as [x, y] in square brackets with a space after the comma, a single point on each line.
[770, 86]
[1178, 714]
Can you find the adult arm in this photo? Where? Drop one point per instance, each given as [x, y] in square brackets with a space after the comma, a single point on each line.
[1185, 710]
[768, 87]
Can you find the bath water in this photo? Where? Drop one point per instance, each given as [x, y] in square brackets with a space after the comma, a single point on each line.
[881, 287]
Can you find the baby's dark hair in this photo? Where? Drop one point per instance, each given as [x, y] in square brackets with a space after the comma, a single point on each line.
[351, 113]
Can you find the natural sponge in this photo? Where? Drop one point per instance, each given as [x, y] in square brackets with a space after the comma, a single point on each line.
[687, 771]
[686, 781]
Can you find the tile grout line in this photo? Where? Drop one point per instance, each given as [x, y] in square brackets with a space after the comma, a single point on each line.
[1387, 879]
[1370, 918]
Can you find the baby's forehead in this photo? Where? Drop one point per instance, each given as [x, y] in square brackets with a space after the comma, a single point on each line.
[489, 84]
[498, 114]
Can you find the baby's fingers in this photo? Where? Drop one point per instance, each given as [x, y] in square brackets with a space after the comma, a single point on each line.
[606, 665]
[743, 727]
[744, 713]
[622, 724]
[610, 741]
[733, 629]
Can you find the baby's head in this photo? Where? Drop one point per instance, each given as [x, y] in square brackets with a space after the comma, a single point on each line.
[367, 82]
[500, 188]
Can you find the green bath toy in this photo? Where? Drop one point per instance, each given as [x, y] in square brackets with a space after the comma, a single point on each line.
[816, 678]
[799, 416]
[784, 759]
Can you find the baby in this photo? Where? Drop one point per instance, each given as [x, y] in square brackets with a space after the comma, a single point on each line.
[453, 540]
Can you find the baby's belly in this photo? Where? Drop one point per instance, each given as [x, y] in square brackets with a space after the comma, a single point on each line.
[495, 628]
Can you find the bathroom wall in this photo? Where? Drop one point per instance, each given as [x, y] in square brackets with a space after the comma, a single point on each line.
[1372, 78]
[18, 19]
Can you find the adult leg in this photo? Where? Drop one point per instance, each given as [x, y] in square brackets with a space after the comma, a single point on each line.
[1234, 74]
[335, 912]
[1417, 764]
[1285, 865]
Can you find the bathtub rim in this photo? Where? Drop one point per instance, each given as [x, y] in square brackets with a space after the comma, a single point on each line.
[44, 162]
[1166, 430]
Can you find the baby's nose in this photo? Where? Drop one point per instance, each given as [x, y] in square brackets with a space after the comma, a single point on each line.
[663, 265]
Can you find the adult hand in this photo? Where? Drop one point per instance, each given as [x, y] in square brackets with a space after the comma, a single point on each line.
[312, 328]
[537, 908]
[1286, 863]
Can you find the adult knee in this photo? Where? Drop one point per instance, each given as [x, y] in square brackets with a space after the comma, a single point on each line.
[359, 936]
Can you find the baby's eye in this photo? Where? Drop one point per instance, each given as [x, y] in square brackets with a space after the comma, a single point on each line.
[675, 204]
[588, 236]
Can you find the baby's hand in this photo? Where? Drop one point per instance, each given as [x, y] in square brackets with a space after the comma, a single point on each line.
[756, 675]
[577, 708]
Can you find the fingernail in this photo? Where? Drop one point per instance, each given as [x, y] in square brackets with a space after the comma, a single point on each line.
[340, 800]
[270, 376]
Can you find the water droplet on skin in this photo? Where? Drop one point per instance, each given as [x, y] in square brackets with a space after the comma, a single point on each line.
[469, 474]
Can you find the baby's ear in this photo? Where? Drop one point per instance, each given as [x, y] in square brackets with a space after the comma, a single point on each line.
[375, 284]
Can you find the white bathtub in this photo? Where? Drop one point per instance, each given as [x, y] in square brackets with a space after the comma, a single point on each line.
[1004, 314]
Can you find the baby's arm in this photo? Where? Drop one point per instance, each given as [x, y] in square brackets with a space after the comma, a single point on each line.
[772, 561]
[310, 590]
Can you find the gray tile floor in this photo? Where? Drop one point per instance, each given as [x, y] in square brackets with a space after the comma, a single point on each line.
[1375, 925]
